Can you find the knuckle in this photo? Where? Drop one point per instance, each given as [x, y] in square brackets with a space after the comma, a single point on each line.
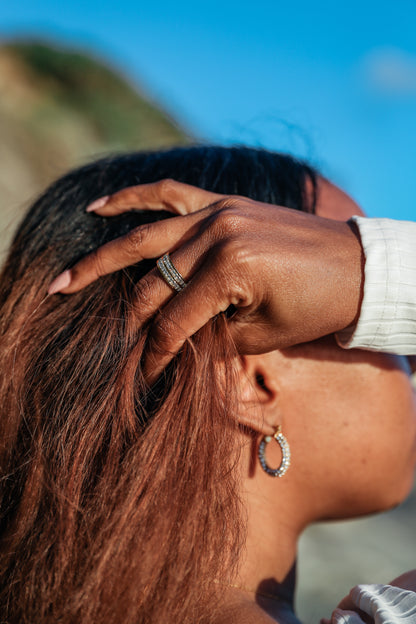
[144, 303]
[233, 252]
[238, 294]
[97, 263]
[136, 238]
[146, 294]
[162, 333]
[230, 219]
[119, 199]
[145, 288]
[233, 270]
[230, 202]
[167, 187]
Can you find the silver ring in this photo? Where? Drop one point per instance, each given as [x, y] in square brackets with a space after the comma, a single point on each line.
[170, 274]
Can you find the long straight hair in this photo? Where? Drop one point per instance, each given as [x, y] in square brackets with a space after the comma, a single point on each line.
[117, 503]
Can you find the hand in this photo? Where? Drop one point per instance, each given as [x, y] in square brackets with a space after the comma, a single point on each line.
[349, 605]
[292, 277]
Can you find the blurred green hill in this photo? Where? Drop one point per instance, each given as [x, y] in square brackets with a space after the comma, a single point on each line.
[60, 108]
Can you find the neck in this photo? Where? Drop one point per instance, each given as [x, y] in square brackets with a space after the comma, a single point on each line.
[267, 572]
[267, 575]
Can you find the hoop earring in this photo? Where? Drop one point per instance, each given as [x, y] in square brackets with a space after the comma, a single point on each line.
[283, 443]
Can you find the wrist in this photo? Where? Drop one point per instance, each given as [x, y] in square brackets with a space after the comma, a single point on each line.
[356, 267]
[345, 270]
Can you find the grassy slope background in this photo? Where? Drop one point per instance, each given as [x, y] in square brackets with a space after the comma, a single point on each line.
[60, 108]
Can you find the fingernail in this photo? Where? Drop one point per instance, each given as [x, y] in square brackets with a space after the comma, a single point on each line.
[98, 203]
[59, 283]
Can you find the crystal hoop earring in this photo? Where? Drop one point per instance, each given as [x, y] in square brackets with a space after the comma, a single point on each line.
[284, 446]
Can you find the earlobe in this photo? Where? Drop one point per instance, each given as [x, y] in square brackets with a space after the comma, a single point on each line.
[259, 395]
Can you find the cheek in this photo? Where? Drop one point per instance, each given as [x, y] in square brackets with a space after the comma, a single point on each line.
[354, 429]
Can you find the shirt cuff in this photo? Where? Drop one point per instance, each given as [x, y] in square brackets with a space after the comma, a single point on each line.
[387, 319]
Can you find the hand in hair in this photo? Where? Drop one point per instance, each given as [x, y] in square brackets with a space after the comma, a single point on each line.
[292, 277]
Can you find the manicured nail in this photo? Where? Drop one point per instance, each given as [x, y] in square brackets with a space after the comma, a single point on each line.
[59, 283]
[98, 203]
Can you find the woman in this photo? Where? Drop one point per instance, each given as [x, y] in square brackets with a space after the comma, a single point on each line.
[130, 496]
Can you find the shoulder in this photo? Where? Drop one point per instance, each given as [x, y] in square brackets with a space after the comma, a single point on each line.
[248, 613]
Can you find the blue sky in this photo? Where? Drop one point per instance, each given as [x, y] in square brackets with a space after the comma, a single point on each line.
[332, 82]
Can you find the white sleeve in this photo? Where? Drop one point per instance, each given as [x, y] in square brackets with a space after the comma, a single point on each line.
[384, 603]
[387, 319]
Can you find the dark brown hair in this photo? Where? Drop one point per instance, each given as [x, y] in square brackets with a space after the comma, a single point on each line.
[118, 503]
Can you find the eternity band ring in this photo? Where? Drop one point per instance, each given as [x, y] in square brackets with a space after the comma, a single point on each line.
[170, 274]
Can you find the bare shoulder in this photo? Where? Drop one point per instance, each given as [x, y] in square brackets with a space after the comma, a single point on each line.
[238, 607]
[247, 613]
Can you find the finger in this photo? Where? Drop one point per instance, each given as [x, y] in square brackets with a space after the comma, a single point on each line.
[150, 240]
[207, 294]
[166, 194]
[407, 580]
[349, 606]
[153, 292]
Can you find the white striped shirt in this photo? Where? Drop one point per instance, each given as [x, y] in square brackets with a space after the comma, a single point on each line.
[385, 604]
[388, 312]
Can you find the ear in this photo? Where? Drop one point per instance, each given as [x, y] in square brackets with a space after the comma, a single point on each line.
[259, 394]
